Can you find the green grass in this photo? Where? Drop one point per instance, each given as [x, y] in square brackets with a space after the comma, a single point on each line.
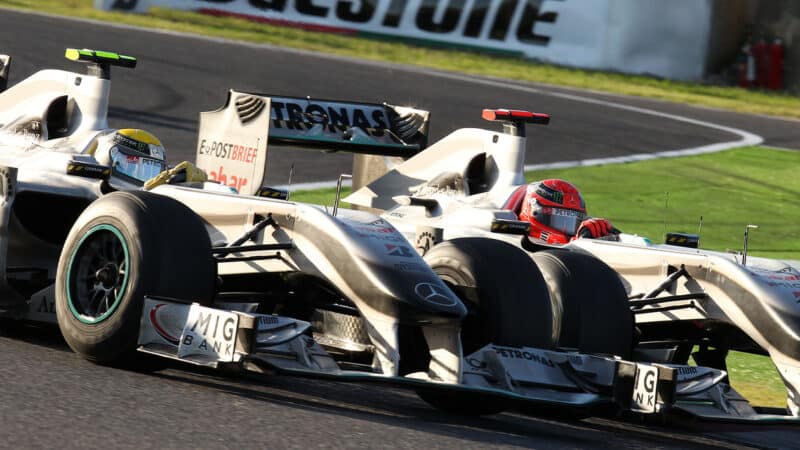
[320, 196]
[753, 185]
[757, 379]
[730, 98]
[730, 189]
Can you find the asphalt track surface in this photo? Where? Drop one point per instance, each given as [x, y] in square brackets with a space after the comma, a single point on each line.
[51, 398]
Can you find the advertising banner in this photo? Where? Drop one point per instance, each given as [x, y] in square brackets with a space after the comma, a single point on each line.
[668, 39]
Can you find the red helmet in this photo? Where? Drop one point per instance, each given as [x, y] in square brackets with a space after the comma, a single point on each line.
[555, 210]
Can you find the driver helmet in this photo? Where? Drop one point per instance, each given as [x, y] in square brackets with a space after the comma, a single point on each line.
[555, 210]
[134, 155]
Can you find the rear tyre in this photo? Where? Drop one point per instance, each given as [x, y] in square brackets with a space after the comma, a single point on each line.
[508, 303]
[590, 304]
[124, 246]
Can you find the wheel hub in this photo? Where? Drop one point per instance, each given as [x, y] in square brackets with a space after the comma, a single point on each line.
[108, 275]
[97, 274]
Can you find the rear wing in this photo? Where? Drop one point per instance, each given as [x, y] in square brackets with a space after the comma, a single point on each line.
[233, 140]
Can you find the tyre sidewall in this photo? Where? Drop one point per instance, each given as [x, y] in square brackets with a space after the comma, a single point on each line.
[102, 341]
[590, 302]
[511, 290]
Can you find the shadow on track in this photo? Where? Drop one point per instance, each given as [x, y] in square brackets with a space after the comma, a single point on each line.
[391, 407]
[396, 407]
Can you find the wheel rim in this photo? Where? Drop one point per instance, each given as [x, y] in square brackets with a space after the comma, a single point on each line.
[97, 274]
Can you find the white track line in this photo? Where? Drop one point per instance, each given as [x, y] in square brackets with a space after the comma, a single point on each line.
[745, 138]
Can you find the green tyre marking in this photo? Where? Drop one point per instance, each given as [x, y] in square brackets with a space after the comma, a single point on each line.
[123, 286]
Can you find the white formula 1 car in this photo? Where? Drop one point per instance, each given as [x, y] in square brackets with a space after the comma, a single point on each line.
[682, 297]
[641, 302]
[255, 282]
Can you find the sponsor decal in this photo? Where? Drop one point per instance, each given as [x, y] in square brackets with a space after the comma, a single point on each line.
[399, 250]
[394, 237]
[434, 293]
[784, 284]
[549, 193]
[157, 326]
[227, 150]
[485, 23]
[232, 143]
[221, 177]
[133, 144]
[558, 31]
[333, 117]
[212, 333]
[687, 370]
[510, 227]
[512, 353]
[383, 234]
[784, 277]
[87, 170]
[644, 392]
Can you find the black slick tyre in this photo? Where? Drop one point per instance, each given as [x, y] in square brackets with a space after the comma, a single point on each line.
[124, 246]
[508, 302]
[590, 304]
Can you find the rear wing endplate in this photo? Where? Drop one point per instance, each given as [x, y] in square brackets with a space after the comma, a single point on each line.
[233, 140]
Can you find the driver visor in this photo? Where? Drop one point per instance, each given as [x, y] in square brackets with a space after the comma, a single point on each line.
[136, 166]
[566, 221]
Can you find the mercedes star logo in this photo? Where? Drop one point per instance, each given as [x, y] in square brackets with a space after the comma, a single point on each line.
[435, 294]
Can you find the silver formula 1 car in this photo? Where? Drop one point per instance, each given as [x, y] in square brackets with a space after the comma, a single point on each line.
[682, 298]
[648, 303]
[254, 282]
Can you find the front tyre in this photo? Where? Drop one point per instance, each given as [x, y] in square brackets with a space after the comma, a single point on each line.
[508, 302]
[591, 304]
[124, 246]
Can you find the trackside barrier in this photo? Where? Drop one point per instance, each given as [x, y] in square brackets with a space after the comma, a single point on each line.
[669, 39]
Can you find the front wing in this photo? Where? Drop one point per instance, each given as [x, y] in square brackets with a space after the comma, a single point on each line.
[517, 376]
